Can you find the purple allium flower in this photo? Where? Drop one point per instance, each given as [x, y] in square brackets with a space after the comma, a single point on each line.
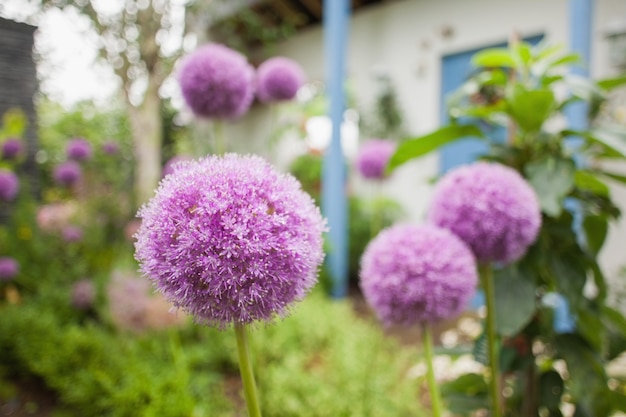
[279, 78]
[230, 240]
[72, 234]
[110, 147]
[217, 82]
[373, 158]
[171, 163]
[9, 185]
[12, 148]
[9, 268]
[490, 207]
[414, 274]
[83, 294]
[67, 173]
[78, 149]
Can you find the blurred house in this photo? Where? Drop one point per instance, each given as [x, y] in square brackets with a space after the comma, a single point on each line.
[424, 47]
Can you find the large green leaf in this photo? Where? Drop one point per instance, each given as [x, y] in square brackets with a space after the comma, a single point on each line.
[583, 87]
[494, 57]
[466, 393]
[611, 83]
[530, 108]
[416, 147]
[590, 327]
[588, 181]
[552, 179]
[515, 300]
[596, 229]
[551, 389]
[570, 276]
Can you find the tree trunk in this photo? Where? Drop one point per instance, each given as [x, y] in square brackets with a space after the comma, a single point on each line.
[147, 131]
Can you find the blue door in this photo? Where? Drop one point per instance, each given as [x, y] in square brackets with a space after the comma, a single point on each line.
[456, 69]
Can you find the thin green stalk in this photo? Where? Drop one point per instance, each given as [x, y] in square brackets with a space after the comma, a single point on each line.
[430, 374]
[218, 132]
[377, 214]
[486, 276]
[247, 374]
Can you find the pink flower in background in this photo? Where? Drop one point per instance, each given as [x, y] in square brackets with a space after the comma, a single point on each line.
[9, 268]
[490, 207]
[230, 240]
[373, 157]
[12, 148]
[9, 185]
[55, 217]
[417, 274]
[83, 294]
[217, 82]
[78, 149]
[72, 234]
[111, 147]
[67, 173]
[278, 79]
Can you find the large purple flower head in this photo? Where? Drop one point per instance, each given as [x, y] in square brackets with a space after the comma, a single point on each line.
[279, 79]
[67, 173]
[9, 268]
[9, 185]
[12, 148]
[217, 82]
[78, 149]
[230, 240]
[490, 207]
[416, 274]
[372, 159]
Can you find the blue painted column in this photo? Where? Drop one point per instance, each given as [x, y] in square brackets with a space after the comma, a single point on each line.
[580, 23]
[334, 199]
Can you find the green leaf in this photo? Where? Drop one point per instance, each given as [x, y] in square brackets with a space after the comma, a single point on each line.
[569, 276]
[494, 57]
[609, 84]
[596, 229]
[583, 88]
[613, 176]
[612, 137]
[552, 179]
[587, 181]
[515, 300]
[551, 389]
[590, 327]
[416, 147]
[618, 401]
[467, 392]
[530, 108]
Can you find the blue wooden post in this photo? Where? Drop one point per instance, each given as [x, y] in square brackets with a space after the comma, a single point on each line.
[334, 200]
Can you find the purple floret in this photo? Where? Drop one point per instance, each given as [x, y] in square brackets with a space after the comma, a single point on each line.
[491, 208]
[9, 268]
[230, 240]
[78, 149]
[217, 82]
[9, 185]
[373, 158]
[12, 148]
[417, 274]
[67, 173]
[83, 294]
[110, 147]
[279, 79]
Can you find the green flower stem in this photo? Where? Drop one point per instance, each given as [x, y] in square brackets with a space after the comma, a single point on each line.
[219, 137]
[486, 277]
[247, 374]
[430, 374]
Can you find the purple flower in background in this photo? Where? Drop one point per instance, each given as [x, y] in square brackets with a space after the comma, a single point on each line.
[490, 207]
[110, 147]
[414, 274]
[9, 268]
[12, 148]
[9, 185]
[78, 149]
[72, 234]
[171, 163]
[83, 294]
[279, 78]
[217, 82]
[67, 173]
[373, 158]
[230, 240]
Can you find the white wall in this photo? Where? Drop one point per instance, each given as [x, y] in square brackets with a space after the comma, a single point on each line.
[408, 39]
